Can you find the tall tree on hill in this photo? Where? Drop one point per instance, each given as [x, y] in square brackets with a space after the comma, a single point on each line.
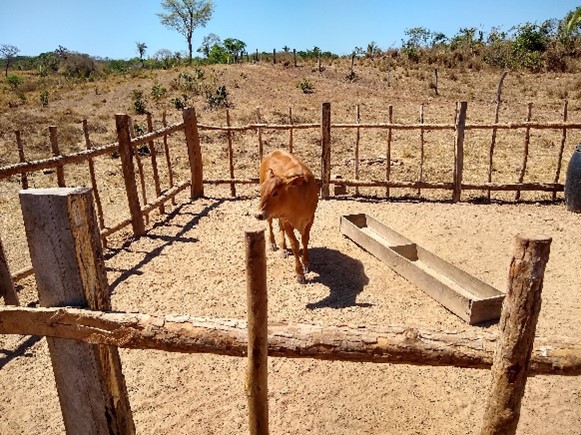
[8, 52]
[185, 16]
[141, 47]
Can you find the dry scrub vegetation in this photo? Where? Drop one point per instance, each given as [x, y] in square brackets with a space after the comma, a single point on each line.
[191, 261]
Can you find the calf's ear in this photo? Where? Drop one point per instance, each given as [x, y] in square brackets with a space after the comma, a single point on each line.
[296, 180]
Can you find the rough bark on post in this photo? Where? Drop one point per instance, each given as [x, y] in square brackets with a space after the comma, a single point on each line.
[7, 289]
[65, 249]
[517, 327]
[194, 152]
[325, 149]
[257, 370]
[126, 154]
[60, 173]
[459, 151]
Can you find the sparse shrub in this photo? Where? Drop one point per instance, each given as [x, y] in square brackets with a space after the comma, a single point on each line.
[306, 86]
[180, 103]
[158, 92]
[44, 98]
[14, 81]
[217, 98]
[139, 102]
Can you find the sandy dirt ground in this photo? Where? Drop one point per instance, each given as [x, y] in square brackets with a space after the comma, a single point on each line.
[192, 262]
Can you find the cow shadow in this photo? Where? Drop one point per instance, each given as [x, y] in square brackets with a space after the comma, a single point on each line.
[343, 275]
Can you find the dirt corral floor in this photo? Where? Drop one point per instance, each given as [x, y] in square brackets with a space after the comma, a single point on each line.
[192, 262]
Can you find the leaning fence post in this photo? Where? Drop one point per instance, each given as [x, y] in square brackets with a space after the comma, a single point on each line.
[325, 149]
[194, 152]
[7, 289]
[257, 371]
[126, 154]
[66, 253]
[518, 322]
[459, 151]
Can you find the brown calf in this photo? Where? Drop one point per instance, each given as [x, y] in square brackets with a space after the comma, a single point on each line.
[289, 192]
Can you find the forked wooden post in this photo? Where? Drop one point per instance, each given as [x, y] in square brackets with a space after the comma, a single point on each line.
[518, 322]
[325, 149]
[257, 371]
[126, 154]
[459, 151]
[194, 152]
[7, 289]
[65, 249]
[60, 173]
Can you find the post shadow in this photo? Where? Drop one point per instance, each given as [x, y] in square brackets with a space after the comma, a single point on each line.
[343, 275]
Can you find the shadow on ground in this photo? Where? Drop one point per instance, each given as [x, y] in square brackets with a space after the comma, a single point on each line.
[343, 275]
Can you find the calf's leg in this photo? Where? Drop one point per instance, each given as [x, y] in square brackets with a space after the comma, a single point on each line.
[295, 247]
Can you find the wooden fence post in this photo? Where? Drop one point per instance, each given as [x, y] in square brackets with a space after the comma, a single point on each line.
[325, 149]
[257, 371]
[7, 289]
[60, 173]
[194, 152]
[518, 322]
[388, 148]
[230, 155]
[24, 175]
[459, 151]
[65, 249]
[153, 154]
[126, 154]
[523, 168]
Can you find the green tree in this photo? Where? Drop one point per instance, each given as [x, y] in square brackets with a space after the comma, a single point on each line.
[235, 47]
[141, 47]
[8, 52]
[573, 20]
[185, 16]
[207, 43]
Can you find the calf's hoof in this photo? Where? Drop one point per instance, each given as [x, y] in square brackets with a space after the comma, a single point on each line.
[301, 279]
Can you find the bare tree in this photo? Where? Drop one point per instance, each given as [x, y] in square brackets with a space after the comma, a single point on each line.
[185, 16]
[8, 52]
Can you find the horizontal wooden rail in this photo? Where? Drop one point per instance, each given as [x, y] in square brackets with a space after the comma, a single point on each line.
[188, 334]
[148, 137]
[166, 196]
[544, 187]
[232, 180]
[53, 162]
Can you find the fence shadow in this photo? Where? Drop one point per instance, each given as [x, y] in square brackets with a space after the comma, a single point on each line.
[8, 355]
[343, 275]
[168, 240]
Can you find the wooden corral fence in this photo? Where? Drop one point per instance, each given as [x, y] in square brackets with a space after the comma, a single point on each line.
[128, 144]
[63, 233]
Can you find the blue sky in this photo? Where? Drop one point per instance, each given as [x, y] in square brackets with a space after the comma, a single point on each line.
[111, 28]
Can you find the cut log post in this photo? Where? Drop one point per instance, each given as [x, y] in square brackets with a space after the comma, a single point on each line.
[194, 152]
[518, 322]
[126, 154]
[459, 151]
[257, 370]
[325, 149]
[7, 289]
[65, 249]
[54, 144]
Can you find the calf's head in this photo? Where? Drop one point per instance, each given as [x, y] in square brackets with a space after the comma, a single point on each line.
[277, 195]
